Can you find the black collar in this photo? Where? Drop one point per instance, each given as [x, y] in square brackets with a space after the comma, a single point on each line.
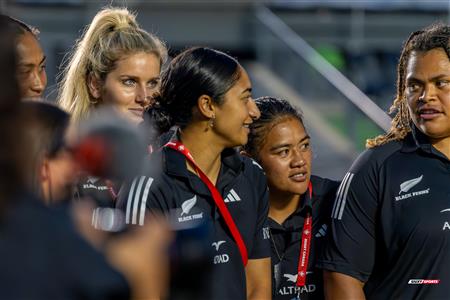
[295, 220]
[417, 140]
[175, 162]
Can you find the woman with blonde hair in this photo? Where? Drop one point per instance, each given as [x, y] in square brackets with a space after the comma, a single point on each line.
[115, 62]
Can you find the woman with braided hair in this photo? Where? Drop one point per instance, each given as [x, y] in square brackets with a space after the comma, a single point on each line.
[391, 217]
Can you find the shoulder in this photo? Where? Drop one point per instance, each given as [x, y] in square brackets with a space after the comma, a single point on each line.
[372, 159]
[323, 186]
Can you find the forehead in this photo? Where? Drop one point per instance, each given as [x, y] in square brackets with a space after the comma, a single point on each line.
[242, 83]
[428, 63]
[285, 128]
[28, 48]
[139, 64]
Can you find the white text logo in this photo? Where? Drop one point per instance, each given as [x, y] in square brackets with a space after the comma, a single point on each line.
[446, 224]
[266, 233]
[424, 281]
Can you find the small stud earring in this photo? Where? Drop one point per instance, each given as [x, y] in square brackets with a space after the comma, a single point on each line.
[211, 121]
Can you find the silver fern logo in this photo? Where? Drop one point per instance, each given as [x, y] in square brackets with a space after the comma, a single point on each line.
[186, 208]
[188, 205]
[406, 186]
[409, 184]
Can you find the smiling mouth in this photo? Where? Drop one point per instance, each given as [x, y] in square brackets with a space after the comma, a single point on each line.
[138, 112]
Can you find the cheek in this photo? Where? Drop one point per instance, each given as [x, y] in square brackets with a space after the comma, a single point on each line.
[117, 95]
[275, 170]
[43, 77]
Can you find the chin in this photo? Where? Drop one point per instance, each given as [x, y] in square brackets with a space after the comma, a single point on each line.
[435, 132]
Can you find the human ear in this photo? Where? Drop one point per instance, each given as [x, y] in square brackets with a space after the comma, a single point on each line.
[94, 85]
[205, 105]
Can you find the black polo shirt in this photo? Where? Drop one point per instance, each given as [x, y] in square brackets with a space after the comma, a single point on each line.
[390, 222]
[96, 189]
[286, 241]
[177, 191]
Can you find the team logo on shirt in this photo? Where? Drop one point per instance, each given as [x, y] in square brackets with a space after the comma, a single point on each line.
[232, 197]
[406, 186]
[186, 207]
[292, 289]
[293, 277]
[220, 258]
[446, 224]
[266, 233]
[217, 244]
[322, 231]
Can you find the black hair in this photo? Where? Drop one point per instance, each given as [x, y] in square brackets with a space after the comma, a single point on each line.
[11, 131]
[191, 74]
[432, 37]
[45, 135]
[273, 111]
[17, 26]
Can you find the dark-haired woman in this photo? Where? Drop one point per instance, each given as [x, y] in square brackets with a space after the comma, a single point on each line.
[391, 218]
[31, 74]
[207, 95]
[300, 203]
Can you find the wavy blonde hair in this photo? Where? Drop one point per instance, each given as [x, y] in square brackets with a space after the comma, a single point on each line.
[432, 37]
[112, 34]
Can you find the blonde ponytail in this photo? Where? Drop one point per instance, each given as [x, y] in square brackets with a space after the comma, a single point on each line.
[112, 34]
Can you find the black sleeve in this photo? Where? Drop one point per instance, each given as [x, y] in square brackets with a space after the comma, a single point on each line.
[351, 246]
[141, 195]
[261, 246]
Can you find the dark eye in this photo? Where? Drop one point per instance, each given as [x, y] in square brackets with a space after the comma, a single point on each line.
[128, 82]
[413, 87]
[42, 68]
[283, 153]
[441, 83]
[305, 147]
[153, 83]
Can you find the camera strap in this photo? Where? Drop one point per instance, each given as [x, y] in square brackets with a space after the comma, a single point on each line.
[305, 246]
[178, 146]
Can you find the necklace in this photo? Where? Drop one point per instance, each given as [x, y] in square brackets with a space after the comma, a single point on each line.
[280, 257]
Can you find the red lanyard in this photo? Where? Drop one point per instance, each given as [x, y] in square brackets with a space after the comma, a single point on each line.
[217, 199]
[305, 247]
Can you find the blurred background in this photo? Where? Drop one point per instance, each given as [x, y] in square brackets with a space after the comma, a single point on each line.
[336, 60]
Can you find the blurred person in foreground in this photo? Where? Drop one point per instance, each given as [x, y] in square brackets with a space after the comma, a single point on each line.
[390, 235]
[31, 74]
[115, 63]
[299, 203]
[42, 254]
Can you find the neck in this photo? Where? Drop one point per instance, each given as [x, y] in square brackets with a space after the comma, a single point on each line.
[282, 205]
[443, 145]
[205, 151]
